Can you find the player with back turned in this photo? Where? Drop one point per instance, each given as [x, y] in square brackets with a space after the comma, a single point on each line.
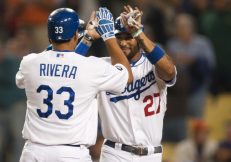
[60, 85]
[132, 122]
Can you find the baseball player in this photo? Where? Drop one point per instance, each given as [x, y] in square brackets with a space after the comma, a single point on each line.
[61, 119]
[132, 121]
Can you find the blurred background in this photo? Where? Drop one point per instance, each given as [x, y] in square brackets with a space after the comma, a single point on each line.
[195, 33]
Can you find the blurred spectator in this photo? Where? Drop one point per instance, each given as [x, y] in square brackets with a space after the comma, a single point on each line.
[197, 8]
[12, 99]
[194, 58]
[216, 24]
[84, 8]
[175, 121]
[228, 133]
[115, 6]
[198, 148]
[177, 5]
[9, 95]
[223, 153]
[21, 44]
[32, 14]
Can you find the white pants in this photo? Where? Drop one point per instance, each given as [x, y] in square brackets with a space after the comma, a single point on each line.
[33, 152]
[109, 154]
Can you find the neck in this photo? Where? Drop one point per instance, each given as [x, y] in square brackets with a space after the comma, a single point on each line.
[68, 45]
[136, 57]
[62, 47]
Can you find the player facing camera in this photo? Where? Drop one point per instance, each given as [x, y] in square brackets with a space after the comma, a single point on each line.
[127, 43]
[63, 24]
[134, 133]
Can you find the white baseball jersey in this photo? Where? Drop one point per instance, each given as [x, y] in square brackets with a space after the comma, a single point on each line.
[135, 117]
[61, 87]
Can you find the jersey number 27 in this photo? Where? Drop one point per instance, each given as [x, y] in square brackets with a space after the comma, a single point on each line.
[48, 102]
[149, 99]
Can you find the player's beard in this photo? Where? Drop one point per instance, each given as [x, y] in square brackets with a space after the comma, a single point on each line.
[131, 52]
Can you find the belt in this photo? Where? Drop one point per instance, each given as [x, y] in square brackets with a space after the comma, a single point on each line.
[71, 145]
[133, 149]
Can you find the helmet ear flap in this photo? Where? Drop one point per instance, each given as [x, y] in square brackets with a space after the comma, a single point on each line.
[62, 24]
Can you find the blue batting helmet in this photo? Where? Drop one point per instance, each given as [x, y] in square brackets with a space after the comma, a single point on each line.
[119, 27]
[62, 24]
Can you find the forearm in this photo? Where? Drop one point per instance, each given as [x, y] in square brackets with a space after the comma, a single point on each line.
[117, 56]
[83, 46]
[164, 66]
[145, 43]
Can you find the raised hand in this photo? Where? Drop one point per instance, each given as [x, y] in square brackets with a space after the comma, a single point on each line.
[131, 19]
[91, 26]
[105, 24]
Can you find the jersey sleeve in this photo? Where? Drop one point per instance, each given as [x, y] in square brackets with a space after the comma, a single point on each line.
[172, 82]
[111, 78]
[20, 77]
[115, 79]
[168, 83]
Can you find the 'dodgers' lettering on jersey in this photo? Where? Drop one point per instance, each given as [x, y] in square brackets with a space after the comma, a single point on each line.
[135, 88]
[139, 83]
[58, 70]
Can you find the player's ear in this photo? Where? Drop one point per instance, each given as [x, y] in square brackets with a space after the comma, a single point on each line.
[74, 39]
[76, 36]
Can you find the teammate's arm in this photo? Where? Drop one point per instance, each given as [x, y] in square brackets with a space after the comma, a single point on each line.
[89, 36]
[105, 28]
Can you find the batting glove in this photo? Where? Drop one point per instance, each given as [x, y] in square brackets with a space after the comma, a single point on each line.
[105, 26]
[131, 18]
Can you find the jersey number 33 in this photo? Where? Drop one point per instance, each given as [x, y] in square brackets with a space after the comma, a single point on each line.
[48, 102]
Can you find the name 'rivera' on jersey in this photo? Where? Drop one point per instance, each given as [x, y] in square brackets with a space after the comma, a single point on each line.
[58, 70]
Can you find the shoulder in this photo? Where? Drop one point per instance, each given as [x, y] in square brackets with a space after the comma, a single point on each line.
[97, 60]
[29, 57]
[202, 39]
[97, 65]
[172, 41]
[107, 59]
[173, 44]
